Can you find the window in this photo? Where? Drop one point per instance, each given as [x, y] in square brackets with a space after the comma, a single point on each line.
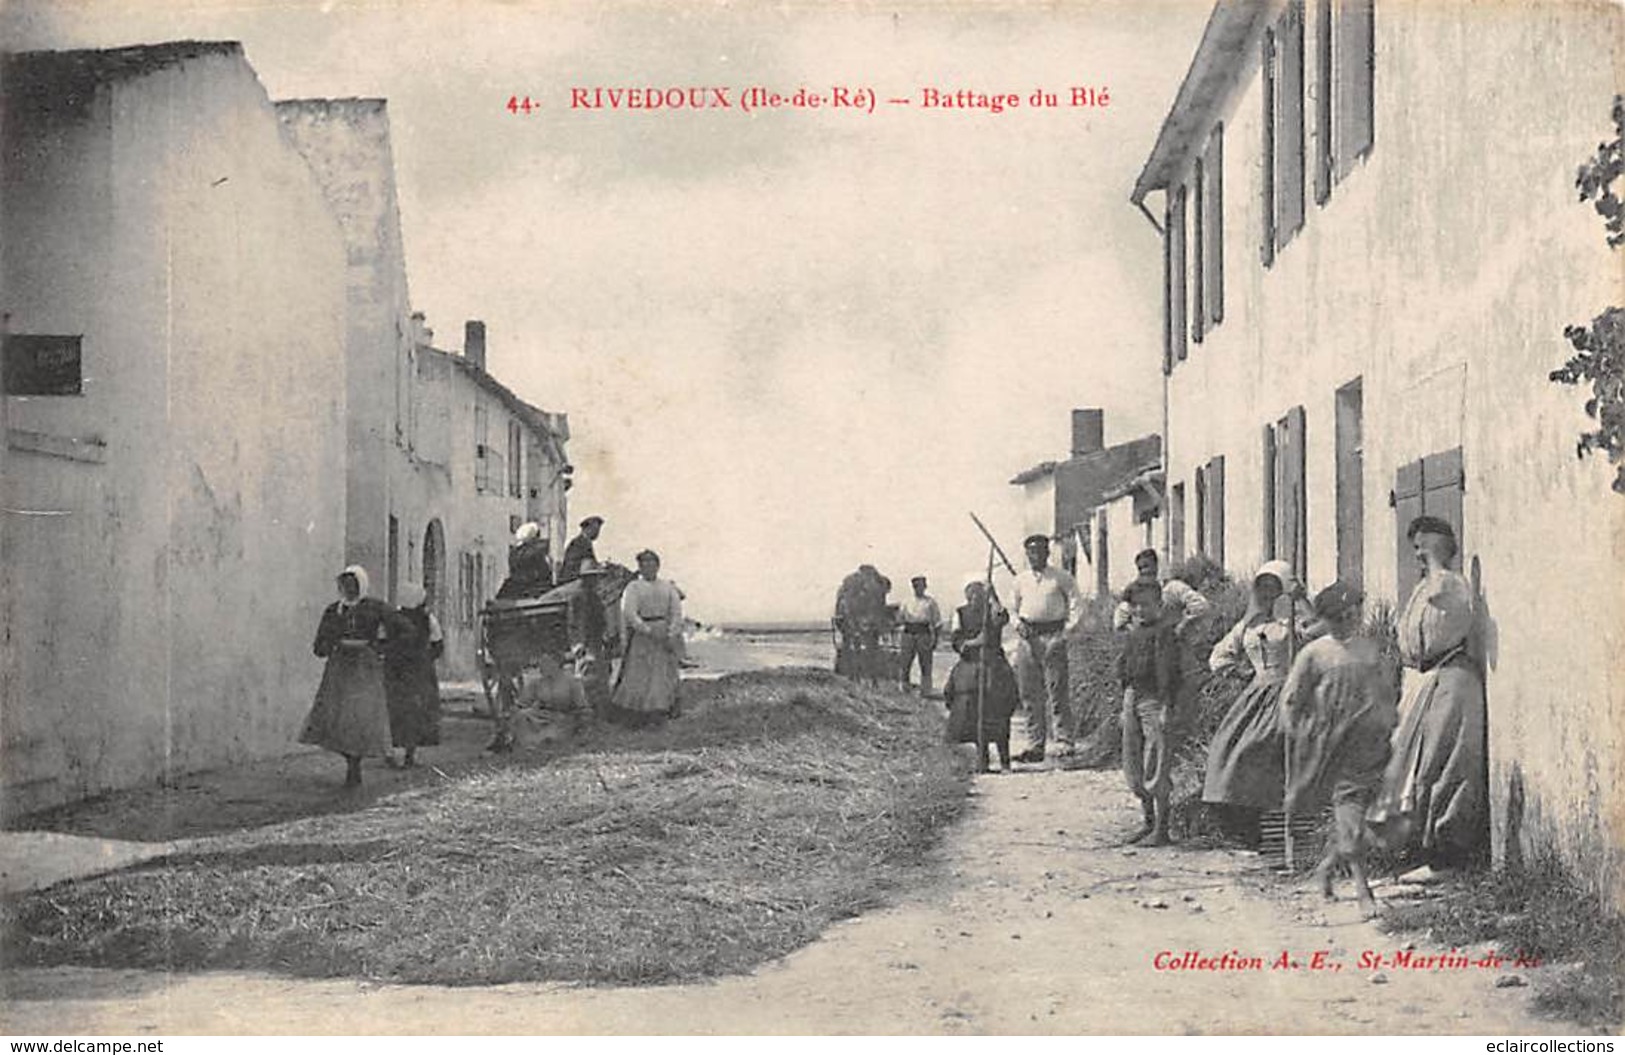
[43, 365]
[393, 560]
[1433, 485]
[1212, 248]
[465, 588]
[514, 523]
[1176, 524]
[516, 462]
[1350, 485]
[1103, 577]
[482, 450]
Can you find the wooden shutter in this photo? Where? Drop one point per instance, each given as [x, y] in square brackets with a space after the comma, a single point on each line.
[1325, 90]
[1168, 285]
[1199, 247]
[1289, 134]
[1268, 519]
[1199, 486]
[1292, 496]
[1176, 524]
[1407, 501]
[1353, 52]
[1213, 202]
[1266, 245]
[1442, 487]
[1215, 509]
[1350, 484]
[1178, 287]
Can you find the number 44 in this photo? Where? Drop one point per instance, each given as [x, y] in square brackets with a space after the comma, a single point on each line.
[517, 105]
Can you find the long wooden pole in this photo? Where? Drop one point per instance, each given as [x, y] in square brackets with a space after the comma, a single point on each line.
[981, 659]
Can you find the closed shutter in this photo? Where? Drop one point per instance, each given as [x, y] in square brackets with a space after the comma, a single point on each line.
[1213, 202]
[1176, 524]
[1199, 539]
[1325, 91]
[1177, 288]
[1407, 507]
[1215, 509]
[1289, 135]
[1266, 245]
[1168, 287]
[1292, 494]
[1199, 246]
[1269, 477]
[1434, 486]
[1353, 51]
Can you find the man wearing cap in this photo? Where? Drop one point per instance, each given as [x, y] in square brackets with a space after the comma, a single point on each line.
[922, 622]
[580, 549]
[1048, 608]
[1175, 594]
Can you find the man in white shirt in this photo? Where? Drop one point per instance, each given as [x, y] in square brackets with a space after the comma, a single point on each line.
[1175, 594]
[1048, 608]
[922, 622]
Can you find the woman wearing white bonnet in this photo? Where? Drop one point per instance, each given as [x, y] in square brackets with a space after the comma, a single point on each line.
[411, 685]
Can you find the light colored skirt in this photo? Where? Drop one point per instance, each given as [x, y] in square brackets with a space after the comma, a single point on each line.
[350, 714]
[1246, 760]
[649, 676]
[1433, 793]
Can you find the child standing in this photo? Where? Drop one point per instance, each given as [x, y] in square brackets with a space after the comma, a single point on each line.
[1339, 717]
[1149, 670]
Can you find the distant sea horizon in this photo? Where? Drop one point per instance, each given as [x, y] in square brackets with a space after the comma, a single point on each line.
[771, 626]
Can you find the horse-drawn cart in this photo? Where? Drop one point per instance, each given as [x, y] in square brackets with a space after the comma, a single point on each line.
[547, 660]
[869, 647]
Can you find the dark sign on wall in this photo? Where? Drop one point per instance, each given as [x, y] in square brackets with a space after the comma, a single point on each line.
[42, 365]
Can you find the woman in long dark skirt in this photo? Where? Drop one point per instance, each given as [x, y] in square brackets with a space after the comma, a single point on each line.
[1246, 767]
[410, 683]
[982, 679]
[350, 715]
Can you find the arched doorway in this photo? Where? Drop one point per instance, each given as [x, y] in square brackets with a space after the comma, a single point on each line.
[434, 566]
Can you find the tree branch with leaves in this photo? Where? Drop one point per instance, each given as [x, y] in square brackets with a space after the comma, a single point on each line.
[1600, 347]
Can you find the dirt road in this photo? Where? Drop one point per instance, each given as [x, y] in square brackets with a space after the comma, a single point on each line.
[1031, 921]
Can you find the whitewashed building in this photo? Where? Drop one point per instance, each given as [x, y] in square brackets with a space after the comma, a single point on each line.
[1372, 247]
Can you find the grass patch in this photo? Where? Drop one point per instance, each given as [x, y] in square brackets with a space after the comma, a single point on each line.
[707, 847]
[1538, 912]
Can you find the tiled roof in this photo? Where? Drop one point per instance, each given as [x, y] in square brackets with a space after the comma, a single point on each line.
[1219, 59]
[1037, 472]
[549, 423]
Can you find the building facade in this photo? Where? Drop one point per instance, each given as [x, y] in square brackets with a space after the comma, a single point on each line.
[1098, 500]
[174, 512]
[492, 463]
[1371, 249]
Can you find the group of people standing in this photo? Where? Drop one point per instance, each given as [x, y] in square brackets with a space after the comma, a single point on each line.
[1325, 719]
[379, 691]
[1322, 720]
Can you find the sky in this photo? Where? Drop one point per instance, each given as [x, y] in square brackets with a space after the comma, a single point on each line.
[789, 341]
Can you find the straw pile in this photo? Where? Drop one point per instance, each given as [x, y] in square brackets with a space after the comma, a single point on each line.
[704, 848]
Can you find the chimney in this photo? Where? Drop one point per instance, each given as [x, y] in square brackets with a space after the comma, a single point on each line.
[1088, 431]
[474, 342]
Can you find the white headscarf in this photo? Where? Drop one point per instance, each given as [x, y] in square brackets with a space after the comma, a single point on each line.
[411, 595]
[1281, 570]
[361, 580]
[527, 532]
